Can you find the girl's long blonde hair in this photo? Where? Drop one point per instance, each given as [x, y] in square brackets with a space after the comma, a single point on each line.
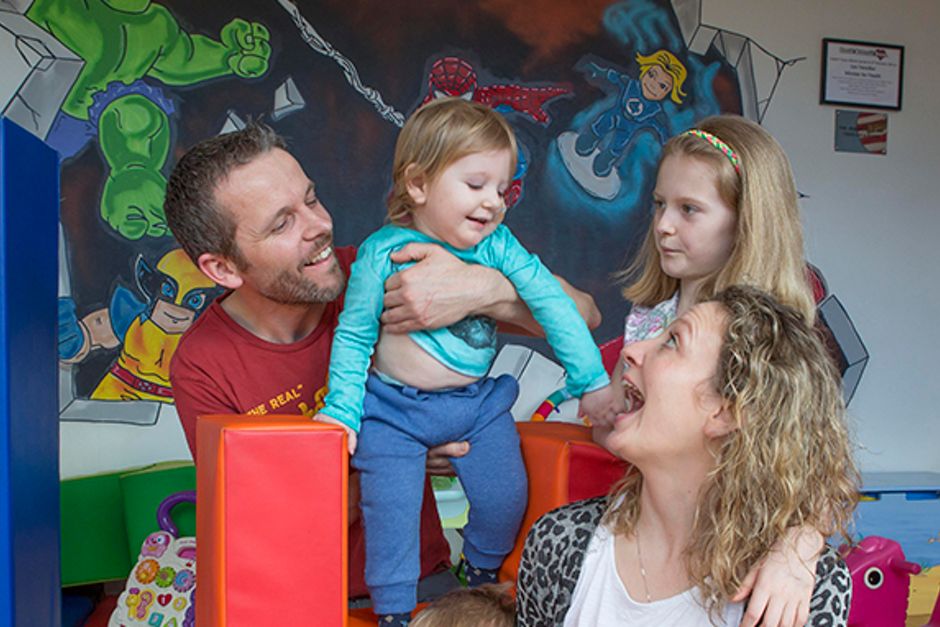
[768, 246]
[789, 461]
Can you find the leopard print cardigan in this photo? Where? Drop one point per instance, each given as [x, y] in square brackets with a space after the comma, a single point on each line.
[554, 551]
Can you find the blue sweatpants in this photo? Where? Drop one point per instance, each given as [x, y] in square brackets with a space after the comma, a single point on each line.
[399, 425]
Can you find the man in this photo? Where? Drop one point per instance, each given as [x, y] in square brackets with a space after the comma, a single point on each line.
[248, 216]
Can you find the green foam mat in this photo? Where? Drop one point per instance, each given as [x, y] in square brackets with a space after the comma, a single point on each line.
[105, 518]
[94, 539]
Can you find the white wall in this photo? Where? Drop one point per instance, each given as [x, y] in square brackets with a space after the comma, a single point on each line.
[872, 222]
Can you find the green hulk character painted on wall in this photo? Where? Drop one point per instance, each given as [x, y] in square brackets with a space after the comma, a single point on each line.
[125, 45]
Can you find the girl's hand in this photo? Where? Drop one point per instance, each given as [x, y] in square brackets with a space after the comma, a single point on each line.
[782, 582]
[351, 435]
[600, 406]
[600, 431]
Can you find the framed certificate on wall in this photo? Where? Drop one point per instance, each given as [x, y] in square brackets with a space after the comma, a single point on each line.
[862, 74]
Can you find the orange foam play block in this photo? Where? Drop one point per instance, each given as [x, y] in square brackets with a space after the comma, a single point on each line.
[271, 522]
[563, 465]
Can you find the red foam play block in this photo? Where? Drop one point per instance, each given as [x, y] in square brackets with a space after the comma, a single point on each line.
[270, 522]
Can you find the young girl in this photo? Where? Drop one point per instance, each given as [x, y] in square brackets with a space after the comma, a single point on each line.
[454, 160]
[725, 213]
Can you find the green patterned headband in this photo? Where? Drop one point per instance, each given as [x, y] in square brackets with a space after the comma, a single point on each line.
[720, 145]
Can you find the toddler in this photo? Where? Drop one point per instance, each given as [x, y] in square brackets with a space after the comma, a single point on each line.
[454, 160]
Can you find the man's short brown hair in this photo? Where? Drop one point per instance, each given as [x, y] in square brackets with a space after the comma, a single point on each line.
[193, 214]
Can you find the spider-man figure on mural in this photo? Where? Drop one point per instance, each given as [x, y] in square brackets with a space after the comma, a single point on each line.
[453, 76]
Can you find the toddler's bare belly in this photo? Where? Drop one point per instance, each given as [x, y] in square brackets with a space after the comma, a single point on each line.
[400, 358]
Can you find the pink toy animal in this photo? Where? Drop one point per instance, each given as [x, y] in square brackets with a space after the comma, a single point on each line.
[880, 583]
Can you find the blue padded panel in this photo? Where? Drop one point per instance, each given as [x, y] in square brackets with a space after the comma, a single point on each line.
[29, 426]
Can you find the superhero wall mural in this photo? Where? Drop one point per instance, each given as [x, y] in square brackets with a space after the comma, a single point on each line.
[120, 88]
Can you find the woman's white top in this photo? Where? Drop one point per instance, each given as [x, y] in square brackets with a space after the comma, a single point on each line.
[601, 600]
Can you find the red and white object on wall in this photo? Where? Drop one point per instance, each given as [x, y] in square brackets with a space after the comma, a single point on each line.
[872, 131]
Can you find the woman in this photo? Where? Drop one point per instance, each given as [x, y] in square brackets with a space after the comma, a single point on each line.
[735, 431]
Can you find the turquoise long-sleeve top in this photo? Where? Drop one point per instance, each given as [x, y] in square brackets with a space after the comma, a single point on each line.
[468, 346]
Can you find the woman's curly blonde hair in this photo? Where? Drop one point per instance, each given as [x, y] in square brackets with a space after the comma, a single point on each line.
[789, 461]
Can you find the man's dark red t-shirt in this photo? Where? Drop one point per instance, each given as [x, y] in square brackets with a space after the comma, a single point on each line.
[221, 368]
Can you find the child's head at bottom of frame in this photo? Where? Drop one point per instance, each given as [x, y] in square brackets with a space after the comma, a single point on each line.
[489, 605]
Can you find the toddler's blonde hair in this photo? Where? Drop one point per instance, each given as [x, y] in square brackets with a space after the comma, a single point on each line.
[436, 135]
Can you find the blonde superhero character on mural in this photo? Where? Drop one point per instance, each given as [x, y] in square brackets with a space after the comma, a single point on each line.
[636, 108]
[176, 293]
